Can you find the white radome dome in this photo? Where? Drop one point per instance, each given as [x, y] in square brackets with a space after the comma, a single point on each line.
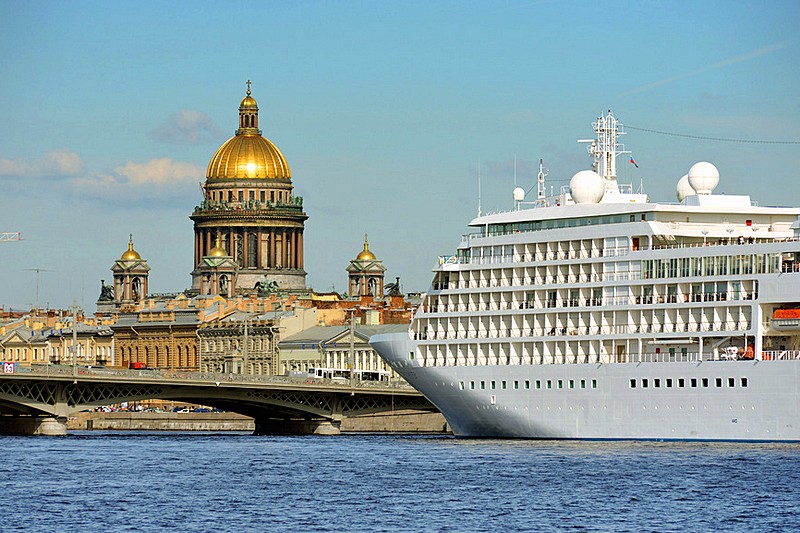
[684, 189]
[587, 187]
[519, 194]
[703, 177]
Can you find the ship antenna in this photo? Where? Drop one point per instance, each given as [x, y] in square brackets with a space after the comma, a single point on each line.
[479, 186]
[540, 180]
[515, 179]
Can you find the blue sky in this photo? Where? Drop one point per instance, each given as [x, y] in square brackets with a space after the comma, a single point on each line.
[110, 112]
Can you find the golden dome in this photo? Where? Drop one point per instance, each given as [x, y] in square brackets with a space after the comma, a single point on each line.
[217, 250]
[248, 102]
[130, 254]
[365, 254]
[248, 155]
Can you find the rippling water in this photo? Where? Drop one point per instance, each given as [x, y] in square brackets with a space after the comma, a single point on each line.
[97, 481]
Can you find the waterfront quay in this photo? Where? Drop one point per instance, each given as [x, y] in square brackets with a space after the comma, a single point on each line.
[40, 401]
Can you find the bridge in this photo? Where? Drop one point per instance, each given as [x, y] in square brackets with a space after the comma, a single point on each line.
[38, 401]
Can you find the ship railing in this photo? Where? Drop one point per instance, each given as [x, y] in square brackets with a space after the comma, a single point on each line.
[574, 329]
[780, 355]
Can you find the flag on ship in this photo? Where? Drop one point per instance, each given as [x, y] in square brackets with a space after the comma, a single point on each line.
[634, 162]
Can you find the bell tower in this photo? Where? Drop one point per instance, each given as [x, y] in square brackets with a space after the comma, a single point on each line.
[366, 274]
[130, 276]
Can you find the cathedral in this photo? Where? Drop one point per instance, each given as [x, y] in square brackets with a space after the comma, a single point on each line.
[248, 230]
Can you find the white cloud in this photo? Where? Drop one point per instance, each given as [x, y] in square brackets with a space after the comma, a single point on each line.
[55, 164]
[187, 127]
[156, 178]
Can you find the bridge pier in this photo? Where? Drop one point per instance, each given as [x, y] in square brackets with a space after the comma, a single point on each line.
[272, 426]
[50, 426]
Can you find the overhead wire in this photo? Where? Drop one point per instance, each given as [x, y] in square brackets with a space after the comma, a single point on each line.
[720, 139]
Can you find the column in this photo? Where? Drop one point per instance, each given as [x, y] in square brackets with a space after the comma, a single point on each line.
[271, 262]
[284, 256]
[300, 249]
[245, 249]
[259, 249]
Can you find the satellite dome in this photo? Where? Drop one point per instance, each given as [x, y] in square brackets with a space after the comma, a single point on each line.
[703, 177]
[684, 189]
[587, 187]
[519, 194]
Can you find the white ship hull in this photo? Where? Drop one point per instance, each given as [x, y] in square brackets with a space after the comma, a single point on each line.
[596, 401]
[596, 314]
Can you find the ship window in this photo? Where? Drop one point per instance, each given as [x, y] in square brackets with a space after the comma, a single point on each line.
[744, 382]
[693, 383]
[594, 383]
[572, 384]
[411, 355]
[503, 384]
[656, 383]
[460, 385]
[645, 383]
[560, 383]
[583, 383]
[494, 384]
[731, 382]
[483, 385]
[718, 382]
[704, 382]
[516, 384]
[669, 383]
[549, 384]
[527, 384]
[538, 384]
[472, 385]
[681, 382]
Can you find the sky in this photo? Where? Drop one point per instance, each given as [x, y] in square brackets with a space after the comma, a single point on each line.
[385, 111]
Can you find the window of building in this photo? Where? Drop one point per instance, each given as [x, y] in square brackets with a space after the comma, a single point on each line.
[743, 382]
[583, 383]
[704, 382]
[503, 384]
[472, 385]
[668, 383]
[483, 385]
[572, 384]
[633, 383]
[718, 382]
[645, 383]
[494, 384]
[516, 384]
[560, 383]
[538, 384]
[731, 382]
[594, 383]
[693, 383]
[657, 383]
[527, 384]
[549, 384]
[681, 382]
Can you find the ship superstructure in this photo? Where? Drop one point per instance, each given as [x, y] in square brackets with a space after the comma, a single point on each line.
[598, 314]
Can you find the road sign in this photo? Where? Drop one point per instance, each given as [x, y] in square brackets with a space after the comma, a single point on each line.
[8, 368]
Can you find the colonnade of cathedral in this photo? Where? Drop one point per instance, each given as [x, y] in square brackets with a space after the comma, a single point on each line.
[259, 248]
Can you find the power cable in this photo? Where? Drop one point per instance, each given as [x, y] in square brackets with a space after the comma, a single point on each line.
[720, 139]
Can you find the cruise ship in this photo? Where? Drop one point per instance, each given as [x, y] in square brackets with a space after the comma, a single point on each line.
[593, 313]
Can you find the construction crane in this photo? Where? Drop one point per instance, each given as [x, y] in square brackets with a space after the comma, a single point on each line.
[10, 237]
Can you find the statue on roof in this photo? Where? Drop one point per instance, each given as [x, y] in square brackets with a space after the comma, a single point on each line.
[106, 292]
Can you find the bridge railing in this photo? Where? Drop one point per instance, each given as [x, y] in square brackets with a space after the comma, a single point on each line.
[211, 377]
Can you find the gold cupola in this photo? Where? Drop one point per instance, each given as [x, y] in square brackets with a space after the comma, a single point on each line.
[365, 254]
[217, 250]
[248, 155]
[130, 254]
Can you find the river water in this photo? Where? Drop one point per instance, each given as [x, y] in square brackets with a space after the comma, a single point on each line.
[114, 481]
